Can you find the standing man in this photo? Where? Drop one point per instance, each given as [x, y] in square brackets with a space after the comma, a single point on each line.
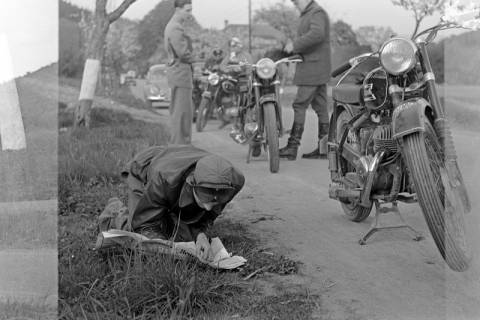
[311, 76]
[179, 73]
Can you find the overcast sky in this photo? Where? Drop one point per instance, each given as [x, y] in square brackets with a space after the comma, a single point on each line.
[30, 28]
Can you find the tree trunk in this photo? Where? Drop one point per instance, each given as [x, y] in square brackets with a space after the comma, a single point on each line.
[91, 72]
[95, 52]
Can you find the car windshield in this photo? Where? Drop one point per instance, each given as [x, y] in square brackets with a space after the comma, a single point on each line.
[157, 74]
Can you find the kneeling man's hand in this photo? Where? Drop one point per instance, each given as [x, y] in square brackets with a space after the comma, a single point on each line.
[202, 246]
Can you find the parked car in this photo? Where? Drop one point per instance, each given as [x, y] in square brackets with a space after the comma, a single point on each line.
[129, 78]
[156, 88]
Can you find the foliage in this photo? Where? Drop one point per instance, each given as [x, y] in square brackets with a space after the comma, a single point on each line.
[374, 36]
[420, 9]
[342, 34]
[151, 29]
[281, 17]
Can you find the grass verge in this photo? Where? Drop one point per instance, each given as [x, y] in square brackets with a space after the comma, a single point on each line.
[130, 285]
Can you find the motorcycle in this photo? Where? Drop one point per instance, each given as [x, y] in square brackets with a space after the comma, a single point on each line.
[390, 141]
[220, 97]
[259, 123]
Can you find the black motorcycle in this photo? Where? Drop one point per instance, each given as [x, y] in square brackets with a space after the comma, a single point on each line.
[220, 97]
[390, 141]
[260, 123]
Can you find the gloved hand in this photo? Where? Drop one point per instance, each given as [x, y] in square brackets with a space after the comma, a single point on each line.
[202, 246]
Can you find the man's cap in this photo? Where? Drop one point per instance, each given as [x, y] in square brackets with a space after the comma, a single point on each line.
[214, 172]
[181, 3]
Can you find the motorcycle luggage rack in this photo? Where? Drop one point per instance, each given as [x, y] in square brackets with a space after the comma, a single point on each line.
[376, 225]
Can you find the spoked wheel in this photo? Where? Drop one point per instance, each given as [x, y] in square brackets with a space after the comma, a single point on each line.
[203, 114]
[440, 202]
[270, 118]
[353, 210]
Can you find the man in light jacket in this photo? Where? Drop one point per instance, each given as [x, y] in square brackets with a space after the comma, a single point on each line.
[311, 76]
[179, 73]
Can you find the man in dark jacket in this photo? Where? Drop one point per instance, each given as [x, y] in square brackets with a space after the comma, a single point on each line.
[177, 192]
[179, 73]
[311, 76]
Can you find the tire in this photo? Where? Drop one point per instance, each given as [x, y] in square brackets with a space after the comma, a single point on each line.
[424, 159]
[203, 114]
[353, 211]
[270, 119]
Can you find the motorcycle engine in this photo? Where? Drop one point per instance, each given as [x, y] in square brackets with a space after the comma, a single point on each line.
[228, 86]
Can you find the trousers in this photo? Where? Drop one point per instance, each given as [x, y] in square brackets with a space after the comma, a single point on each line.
[181, 115]
[316, 96]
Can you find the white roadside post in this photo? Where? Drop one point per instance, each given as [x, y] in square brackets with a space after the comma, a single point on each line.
[12, 131]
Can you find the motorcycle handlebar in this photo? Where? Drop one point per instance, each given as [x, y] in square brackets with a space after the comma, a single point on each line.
[344, 67]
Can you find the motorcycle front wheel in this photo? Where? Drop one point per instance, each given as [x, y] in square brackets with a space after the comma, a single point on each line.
[203, 114]
[440, 203]
[270, 118]
[353, 210]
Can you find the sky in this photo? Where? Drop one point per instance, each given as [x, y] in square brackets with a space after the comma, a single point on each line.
[29, 33]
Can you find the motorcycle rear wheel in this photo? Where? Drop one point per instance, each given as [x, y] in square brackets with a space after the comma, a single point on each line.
[354, 211]
[441, 205]
[203, 114]
[271, 128]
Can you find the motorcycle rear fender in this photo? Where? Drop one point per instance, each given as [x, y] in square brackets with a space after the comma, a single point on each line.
[337, 109]
[409, 117]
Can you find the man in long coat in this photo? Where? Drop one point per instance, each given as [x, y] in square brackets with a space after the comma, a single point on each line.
[179, 73]
[311, 76]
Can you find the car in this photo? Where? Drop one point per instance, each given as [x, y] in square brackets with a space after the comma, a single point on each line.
[156, 90]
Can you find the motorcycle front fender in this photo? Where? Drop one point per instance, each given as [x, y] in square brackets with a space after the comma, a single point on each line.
[409, 117]
[272, 98]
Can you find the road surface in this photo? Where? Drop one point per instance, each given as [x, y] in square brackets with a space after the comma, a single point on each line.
[392, 277]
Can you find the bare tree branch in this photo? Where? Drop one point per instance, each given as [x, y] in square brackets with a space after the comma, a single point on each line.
[117, 13]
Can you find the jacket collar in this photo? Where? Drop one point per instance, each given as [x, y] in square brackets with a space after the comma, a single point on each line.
[308, 7]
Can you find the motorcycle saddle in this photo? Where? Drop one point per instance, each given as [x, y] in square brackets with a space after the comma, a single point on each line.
[347, 93]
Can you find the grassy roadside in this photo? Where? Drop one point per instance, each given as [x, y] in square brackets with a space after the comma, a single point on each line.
[129, 285]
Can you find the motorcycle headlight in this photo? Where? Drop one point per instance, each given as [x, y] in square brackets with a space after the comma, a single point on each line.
[398, 55]
[213, 79]
[266, 68]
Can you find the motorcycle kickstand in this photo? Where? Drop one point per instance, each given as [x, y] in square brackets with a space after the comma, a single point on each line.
[376, 222]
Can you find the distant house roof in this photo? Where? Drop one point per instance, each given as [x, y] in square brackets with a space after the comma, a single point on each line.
[258, 30]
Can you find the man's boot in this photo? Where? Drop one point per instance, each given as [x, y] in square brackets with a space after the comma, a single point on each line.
[321, 151]
[290, 150]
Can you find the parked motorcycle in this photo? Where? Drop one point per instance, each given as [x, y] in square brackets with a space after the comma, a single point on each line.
[220, 97]
[259, 123]
[390, 141]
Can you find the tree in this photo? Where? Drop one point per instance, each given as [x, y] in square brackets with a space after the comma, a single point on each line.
[342, 34]
[281, 17]
[420, 8]
[94, 53]
[374, 36]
